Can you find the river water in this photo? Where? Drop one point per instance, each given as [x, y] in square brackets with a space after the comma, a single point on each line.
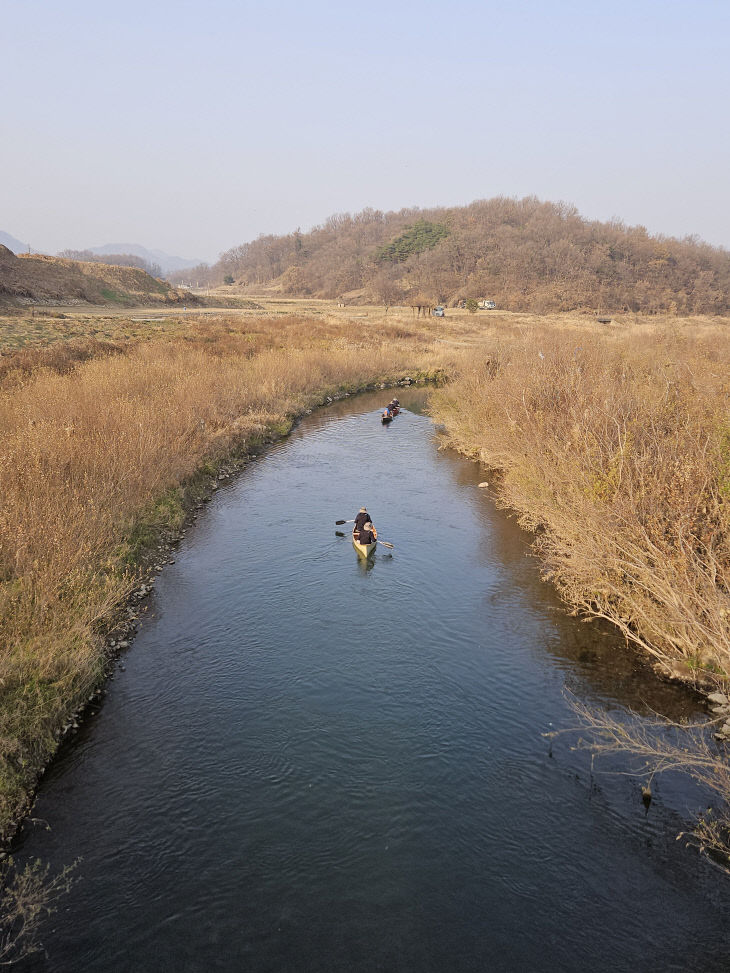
[307, 762]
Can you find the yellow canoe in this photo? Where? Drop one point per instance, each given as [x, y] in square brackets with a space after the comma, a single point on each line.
[364, 550]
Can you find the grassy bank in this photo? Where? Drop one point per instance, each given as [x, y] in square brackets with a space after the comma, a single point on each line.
[97, 451]
[615, 448]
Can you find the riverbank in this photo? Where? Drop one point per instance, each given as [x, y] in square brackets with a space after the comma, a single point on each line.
[104, 462]
[615, 450]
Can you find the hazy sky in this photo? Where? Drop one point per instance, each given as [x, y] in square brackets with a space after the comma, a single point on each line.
[193, 127]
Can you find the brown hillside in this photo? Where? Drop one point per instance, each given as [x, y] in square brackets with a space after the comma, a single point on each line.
[524, 254]
[36, 279]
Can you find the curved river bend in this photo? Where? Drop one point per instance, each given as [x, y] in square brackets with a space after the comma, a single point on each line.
[309, 763]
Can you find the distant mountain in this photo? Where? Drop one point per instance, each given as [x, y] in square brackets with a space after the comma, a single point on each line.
[167, 262]
[12, 243]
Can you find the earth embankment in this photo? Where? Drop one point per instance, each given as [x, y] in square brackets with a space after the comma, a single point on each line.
[37, 279]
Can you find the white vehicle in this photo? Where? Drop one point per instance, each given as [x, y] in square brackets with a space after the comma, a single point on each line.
[486, 305]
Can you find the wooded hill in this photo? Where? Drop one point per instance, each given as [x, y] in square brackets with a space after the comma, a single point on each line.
[524, 254]
[36, 279]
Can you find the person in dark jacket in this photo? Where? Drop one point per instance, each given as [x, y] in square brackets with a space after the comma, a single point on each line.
[361, 519]
[368, 534]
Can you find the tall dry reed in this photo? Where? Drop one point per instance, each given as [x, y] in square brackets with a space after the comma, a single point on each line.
[618, 450]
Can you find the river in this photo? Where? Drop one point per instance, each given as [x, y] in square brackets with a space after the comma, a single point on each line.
[306, 762]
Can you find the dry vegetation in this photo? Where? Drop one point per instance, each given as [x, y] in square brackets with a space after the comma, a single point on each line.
[96, 445]
[658, 746]
[616, 448]
[27, 898]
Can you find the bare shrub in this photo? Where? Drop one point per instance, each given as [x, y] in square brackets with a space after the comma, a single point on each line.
[659, 746]
[27, 898]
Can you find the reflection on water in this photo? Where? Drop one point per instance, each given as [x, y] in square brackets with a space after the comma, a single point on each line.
[365, 564]
[316, 762]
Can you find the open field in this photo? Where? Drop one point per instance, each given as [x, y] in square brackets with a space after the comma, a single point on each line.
[612, 439]
[39, 326]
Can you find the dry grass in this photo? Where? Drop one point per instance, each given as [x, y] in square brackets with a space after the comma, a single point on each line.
[39, 330]
[89, 445]
[617, 448]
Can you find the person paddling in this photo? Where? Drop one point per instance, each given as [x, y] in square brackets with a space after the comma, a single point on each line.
[368, 534]
[360, 520]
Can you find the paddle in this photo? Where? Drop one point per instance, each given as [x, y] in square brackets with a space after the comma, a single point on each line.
[386, 544]
[338, 522]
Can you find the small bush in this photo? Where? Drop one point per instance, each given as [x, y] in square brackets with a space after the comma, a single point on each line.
[27, 898]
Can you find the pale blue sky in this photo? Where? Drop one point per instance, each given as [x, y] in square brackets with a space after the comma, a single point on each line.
[195, 126]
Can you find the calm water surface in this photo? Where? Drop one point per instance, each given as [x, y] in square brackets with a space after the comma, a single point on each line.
[312, 763]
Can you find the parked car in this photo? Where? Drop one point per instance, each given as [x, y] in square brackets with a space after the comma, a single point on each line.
[438, 312]
[487, 305]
